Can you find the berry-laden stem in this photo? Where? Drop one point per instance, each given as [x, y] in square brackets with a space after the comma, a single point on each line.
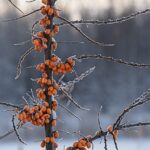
[48, 55]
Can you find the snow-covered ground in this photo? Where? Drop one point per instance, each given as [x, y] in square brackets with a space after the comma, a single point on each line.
[123, 144]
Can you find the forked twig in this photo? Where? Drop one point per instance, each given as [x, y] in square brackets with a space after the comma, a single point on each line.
[21, 61]
[83, 34]
[15, 129]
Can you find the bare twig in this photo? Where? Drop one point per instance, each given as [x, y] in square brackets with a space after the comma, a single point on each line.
[69, 111]
[109, 21]
[83, 34]
[73, 101]
[139, 124]
[105, 142]
[99, 122]
[18, 18]
[115, 60]
[22, 58]
[115, 142]
[10, 105]
[15, 129]
[16, 6]
[139, 101]
[22, 43]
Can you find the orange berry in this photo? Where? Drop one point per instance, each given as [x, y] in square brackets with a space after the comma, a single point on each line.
[47, 140]
[54, 91]
[56, 28]
[43, 144]
[49, 111]
[45, 2]
[88, 144]
[75, 145]
[109, 129]
[37, 116]
[53, 123]
[51, 139]
[79, 145]
[43, 10]
[54, 45]
[50, 11]
[47, 121]
[46, 104]
[50, 88]
[55, 145]
[56, 134]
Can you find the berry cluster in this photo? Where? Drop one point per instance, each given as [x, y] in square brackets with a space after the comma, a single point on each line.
[82, 144]
[50, 140]
[40, 39]
[38, 115]
[57, 66]
[43, 114]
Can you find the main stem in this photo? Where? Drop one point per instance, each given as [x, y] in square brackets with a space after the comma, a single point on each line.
[48, 55]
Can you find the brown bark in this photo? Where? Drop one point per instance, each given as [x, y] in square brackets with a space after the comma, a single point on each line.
[48, 55]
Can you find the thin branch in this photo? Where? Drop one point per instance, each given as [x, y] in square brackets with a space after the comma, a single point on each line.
[69, 111]
[22, 58]
[105, 142]
[15, 129]
[139, 124]
[16, 6]
[73, 101]
[139, 101]
[81, 77]
[7, 134]
[22, 43]
[9, 105]
[99, 122]
[83, 34]
[115, 60]
[18, 18]
[115, 142]
[109, 21]
[30, 1]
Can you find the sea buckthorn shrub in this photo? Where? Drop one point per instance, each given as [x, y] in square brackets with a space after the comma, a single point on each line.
[43, 112]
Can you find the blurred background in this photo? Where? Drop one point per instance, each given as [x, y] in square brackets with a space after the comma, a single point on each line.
[111, 85]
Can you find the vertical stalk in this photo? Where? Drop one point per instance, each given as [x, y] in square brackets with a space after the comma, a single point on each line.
[48, 55]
